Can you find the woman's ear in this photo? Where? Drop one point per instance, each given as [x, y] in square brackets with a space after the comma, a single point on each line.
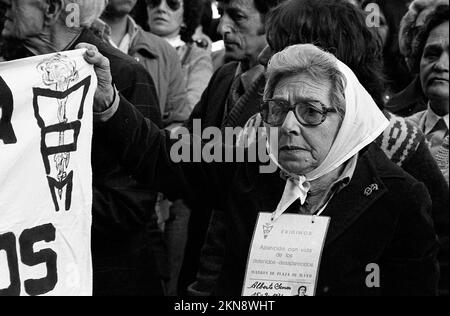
[53, 11]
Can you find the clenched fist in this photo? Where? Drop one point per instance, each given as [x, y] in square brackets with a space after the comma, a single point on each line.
[104, 95]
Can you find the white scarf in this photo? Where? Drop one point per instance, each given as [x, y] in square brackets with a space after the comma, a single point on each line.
[362, 124]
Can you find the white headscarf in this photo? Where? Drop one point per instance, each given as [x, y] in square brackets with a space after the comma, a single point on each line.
[362, 124]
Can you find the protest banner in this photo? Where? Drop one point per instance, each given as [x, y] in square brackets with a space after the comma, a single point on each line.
[45, 175]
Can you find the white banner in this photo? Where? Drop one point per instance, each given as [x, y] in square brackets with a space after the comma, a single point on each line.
[45, 175]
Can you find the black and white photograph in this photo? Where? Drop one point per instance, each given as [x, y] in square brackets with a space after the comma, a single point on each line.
[221, 155]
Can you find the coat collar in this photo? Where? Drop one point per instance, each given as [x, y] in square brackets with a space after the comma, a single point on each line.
[363, 191]
[144, 43]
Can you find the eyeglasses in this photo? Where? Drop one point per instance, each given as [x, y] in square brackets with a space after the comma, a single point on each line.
[309, 113]
[173, 5]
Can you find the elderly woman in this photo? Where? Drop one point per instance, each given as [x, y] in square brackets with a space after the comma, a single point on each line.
[326, 123]
[412, 99]
[431, 60]
[119, 203]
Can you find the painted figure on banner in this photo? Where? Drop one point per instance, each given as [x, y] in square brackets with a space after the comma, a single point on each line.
[58, 73]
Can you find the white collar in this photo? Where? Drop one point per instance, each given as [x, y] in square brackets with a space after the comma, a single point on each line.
[175, 42]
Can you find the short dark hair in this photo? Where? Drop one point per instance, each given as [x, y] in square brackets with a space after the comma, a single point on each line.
[263, 6]
[336, 26]
[436, 18]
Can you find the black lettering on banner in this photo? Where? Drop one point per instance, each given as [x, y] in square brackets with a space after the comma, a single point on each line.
[27, 240]
[8, 244]
[74, 126]
[7, 134]
[57, 186]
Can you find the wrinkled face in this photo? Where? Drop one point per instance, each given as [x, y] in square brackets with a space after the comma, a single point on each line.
[165, 17]
[23, 18]
[120, 7]
[303, 149]
[242, 29]
[434, 66]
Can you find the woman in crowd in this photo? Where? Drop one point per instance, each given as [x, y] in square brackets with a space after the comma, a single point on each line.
[412, 100]
[390, 14]
[327, 160]
[177, 22]
[431, 60]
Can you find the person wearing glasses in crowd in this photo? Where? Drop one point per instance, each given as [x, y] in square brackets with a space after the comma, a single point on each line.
[176, 21]
[326, 123]
[119, 29]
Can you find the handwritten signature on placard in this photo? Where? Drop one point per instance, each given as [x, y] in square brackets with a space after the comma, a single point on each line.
[273, 287]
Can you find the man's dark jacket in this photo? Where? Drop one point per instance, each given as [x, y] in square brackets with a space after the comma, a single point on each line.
[390, 226]
[126, 260]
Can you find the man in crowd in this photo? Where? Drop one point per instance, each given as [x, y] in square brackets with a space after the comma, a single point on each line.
[126, 260]
[242, 28]
[155, 54]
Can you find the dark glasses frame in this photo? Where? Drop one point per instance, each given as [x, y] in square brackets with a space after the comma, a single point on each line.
[297, 109]
[174, 5]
